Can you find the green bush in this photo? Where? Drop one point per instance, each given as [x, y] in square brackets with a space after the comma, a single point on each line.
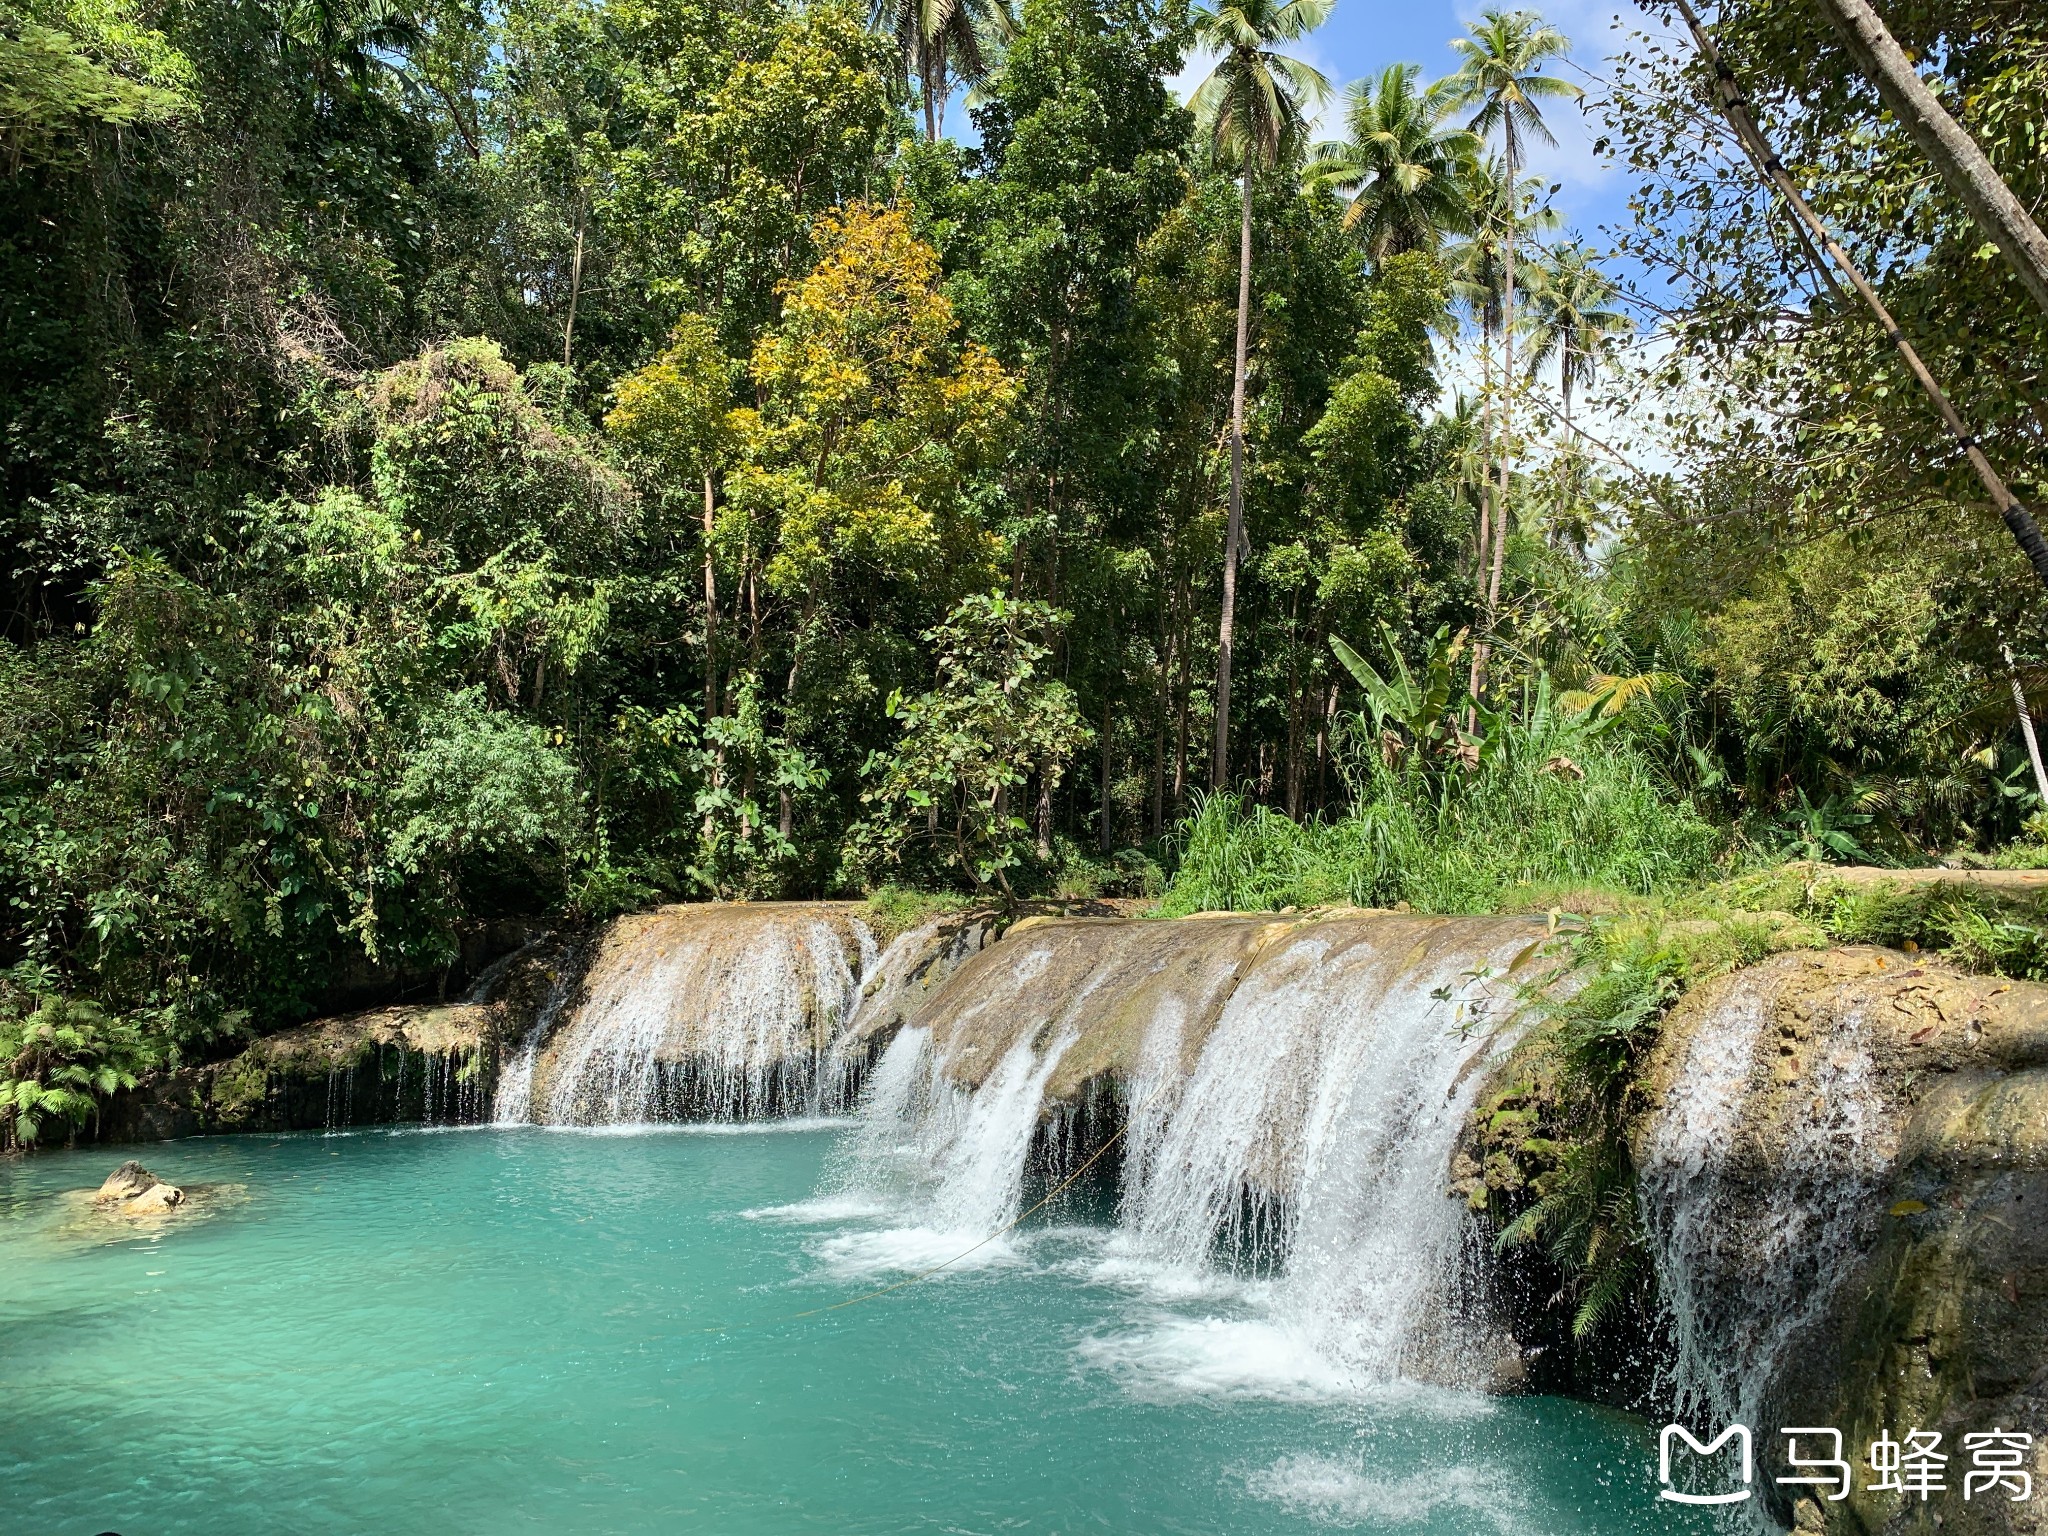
[57, 1061]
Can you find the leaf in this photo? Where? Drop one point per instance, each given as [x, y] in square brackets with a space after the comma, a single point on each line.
[1907, 1208]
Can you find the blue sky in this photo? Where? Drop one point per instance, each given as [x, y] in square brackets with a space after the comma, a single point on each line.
[1363, 36]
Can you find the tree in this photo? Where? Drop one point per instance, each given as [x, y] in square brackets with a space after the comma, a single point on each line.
[676, 413]
[1963, 165]
[1252, 105]
[874, 417]
[1569, 318]
[940, 41]
[1502, 79]
[969, 745]
[1405, 173]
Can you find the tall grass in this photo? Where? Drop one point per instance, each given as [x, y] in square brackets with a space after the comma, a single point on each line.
[1447, 838]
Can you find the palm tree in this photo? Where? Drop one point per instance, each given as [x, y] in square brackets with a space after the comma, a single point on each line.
[1569, 319]
[1253, 105]
[939, 41]
[1502, 79]
[1405, 174]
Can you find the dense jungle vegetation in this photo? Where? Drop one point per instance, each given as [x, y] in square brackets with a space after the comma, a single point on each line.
[467, 462]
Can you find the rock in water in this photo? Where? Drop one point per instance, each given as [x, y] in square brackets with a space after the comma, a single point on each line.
[133, 1189]
[125, 1183]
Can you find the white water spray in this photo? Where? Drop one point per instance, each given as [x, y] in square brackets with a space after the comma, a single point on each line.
[1310, 1139]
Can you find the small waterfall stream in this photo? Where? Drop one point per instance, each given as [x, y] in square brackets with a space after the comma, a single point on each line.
[1759, 1176]
[698, 1012]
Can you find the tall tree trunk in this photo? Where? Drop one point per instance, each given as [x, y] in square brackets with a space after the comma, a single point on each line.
[1108, 730]
[711, 710]
[1219, 769]
[1294, 709]
[575, 278]
[1168, 633]
[1484, 650]
[2026, 715]
[1186, 702]
[1998, 212]
[1324, 717]
[1482, 546]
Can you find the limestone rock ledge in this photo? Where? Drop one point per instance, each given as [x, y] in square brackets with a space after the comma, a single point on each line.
[431, 1062]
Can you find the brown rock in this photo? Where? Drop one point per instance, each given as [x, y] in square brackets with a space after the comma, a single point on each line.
[125, 1183]
[158, 1197]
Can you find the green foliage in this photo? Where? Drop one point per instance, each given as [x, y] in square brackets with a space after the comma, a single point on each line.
[471, 460]
[1822, 831]
[1559, 1171]
[970, 745]
[58, 1057]
[896, 909]
[1447, 822]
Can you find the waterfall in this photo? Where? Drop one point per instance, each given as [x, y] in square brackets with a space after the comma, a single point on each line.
[513, 1102]
[1760, 1175]
[719, 1012]
[1313, 1137]
[1294, 1092]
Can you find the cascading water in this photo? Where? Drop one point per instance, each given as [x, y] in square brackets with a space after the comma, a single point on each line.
[1314, 1136]
[1759, 1176]
[513, 1102]
[1294, 1094]
[709, 1012]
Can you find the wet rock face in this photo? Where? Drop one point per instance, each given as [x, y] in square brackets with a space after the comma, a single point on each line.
[1846, 1183]
[124, 1183]
[431, 1062]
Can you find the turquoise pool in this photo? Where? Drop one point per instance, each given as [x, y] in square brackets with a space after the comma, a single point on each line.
[500, 1331]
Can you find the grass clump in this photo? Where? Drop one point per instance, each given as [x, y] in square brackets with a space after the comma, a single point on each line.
[1983, 928]
[893, 910]
[1456, 836]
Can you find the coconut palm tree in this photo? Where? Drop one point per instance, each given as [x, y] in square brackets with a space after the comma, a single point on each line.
[1403, 171]
[1502, 80]
[943, 41]
[1569, 318]
[1254, 105]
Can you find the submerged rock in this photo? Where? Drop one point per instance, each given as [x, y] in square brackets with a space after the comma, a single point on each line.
[124, 1183]
[155, 1199]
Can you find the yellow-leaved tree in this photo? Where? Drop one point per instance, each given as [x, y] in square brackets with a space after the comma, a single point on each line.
[872, 412]
[837, 496]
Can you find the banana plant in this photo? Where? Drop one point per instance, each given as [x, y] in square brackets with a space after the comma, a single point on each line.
[1419, 707]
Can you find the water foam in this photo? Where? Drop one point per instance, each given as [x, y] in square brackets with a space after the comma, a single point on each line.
[1331, 1492]
[1292, 1177]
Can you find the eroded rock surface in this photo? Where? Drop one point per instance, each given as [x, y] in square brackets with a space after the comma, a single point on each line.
[133, 1190]
[1846, 1178]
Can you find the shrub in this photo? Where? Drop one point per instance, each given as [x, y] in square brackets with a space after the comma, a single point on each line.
[57, 1061]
